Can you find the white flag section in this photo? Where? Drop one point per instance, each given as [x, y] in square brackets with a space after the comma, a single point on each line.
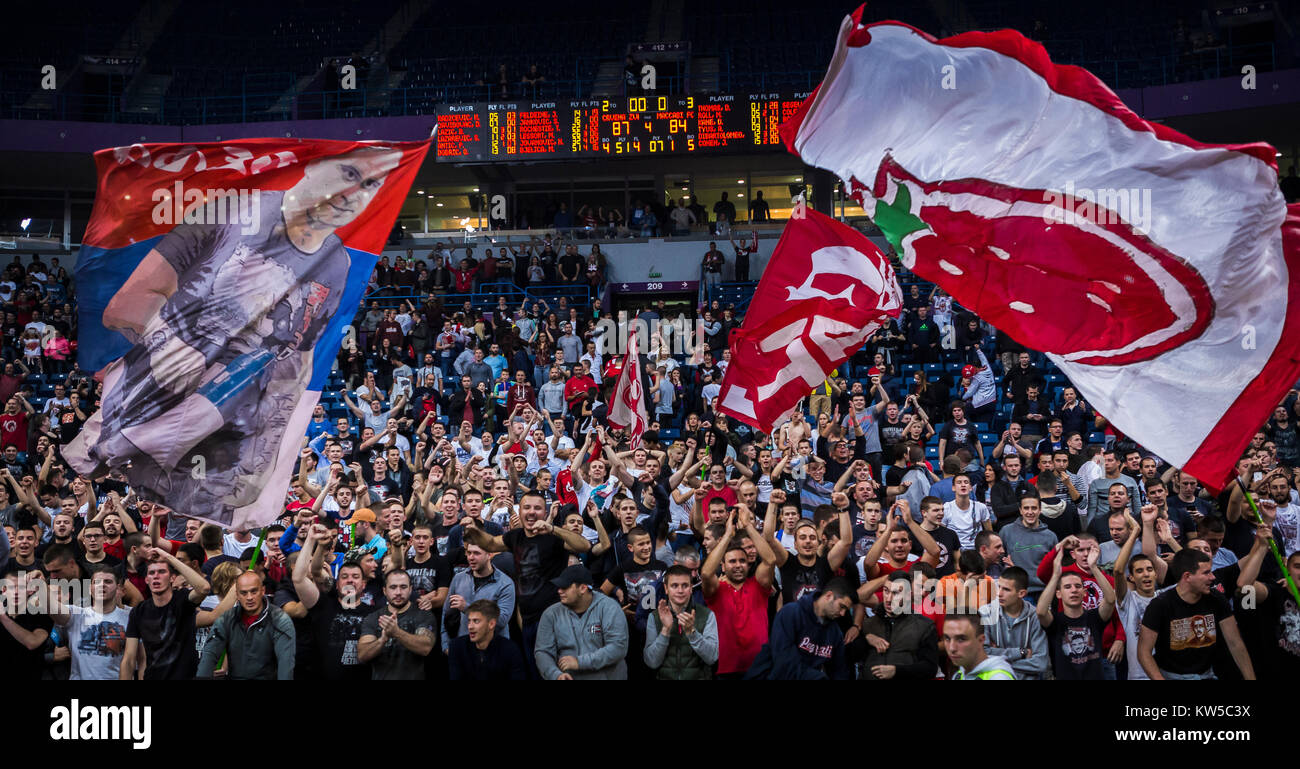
[628, 408]
[1150, 267]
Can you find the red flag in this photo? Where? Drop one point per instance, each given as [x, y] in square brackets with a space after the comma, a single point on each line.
[1028, 195]
[564, 487]
[825, 290]
[628, 409]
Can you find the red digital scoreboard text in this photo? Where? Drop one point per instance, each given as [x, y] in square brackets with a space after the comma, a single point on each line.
[626, 127]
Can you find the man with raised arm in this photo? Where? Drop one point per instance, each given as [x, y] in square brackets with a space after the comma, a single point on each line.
[1073, 631]
[160, 631]
[738, 600]
[538, 548]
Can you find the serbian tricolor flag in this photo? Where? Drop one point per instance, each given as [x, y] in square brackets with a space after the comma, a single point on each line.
[824, 291]
[627, 411]
[1158, 272]
[213, 288]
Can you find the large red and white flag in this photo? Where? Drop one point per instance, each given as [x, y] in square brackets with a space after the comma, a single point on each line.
[824, 291]
[1161, 274]
[627, 412]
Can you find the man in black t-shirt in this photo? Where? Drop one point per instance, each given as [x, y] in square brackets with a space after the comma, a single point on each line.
[808, 571]
[1280, 626]
[164, 624]
[539, 555]
[632, 583]
[1183, 627]
[430, 572]
[23, 632]
[336, 617]
[396, 639]
[947, 540]
[1074, 633]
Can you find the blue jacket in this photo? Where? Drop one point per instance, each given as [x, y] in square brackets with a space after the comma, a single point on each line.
[801, 647]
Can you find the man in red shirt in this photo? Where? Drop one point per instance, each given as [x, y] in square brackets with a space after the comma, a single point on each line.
[389, 329]
[521, 394]
[737, 600]
[10, 380]
[718, 488]
[464, 277]
[13, 422]
[575, 390]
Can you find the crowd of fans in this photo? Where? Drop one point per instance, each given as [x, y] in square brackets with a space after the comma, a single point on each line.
[463, 508]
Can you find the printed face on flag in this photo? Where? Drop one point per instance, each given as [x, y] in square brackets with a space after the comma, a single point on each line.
[1161, 274]
[825, 290]
[212, 278]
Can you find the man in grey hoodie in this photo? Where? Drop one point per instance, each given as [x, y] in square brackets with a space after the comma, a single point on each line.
[1011, 630]
[1027, 540]
[584, 636]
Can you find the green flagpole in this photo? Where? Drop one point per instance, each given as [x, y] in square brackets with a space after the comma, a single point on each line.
[1272, 544]
[257, 551]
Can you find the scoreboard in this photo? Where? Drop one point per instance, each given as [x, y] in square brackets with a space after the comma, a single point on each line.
[633, 126]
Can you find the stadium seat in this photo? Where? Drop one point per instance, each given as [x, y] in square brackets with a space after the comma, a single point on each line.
[1096, 437]
[931, 452]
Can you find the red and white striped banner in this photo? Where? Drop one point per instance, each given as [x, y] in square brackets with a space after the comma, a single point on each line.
[627, 411]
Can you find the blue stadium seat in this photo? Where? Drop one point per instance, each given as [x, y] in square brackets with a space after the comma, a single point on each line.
[932, 368]
[931, 452]
[1096, 437]
[982, 427]
[909, 369]
[989, 438]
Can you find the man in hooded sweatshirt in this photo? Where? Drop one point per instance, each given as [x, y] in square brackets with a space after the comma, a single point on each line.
[963, 637]
[584, 636]
[806, 641]
[1027, 539]
[1058, 513]
[1012, 629]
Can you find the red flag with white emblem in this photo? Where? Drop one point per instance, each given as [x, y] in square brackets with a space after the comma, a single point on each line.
[628, 412]
[824, 291]
[1159, 273]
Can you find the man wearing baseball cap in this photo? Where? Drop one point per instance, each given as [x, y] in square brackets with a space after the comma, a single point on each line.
[584, 636]
[980, 389]
[366, 538]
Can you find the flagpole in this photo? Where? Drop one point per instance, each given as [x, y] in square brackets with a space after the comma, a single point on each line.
[257, 551]
[1272, 544]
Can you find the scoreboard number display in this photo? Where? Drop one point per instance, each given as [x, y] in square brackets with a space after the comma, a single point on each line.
[635, 126]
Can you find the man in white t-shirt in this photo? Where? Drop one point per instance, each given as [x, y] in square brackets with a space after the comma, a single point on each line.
[710, 389]
[97, 633]
[1136, 583]
[966, 516]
